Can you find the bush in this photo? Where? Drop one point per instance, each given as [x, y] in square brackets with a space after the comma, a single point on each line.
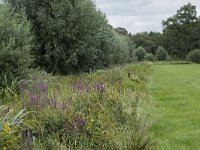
[149, 57]
[14, 47]
[140, 53]
[121, 51]
[72, 37]
[194, 56]
[161, 54]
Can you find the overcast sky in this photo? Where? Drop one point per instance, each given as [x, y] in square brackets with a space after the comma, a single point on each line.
[141, 15]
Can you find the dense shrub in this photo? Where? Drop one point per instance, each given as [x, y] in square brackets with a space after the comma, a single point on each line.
[194, 56]
[140, 53]
[121, 51]
[161, 54]
[14, 47]
[72, 36]
[149, 57]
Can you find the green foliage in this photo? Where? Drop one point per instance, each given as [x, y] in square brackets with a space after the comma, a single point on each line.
[121, 31]
[14, 47]
[149, 41]
[161, 54]
[122, 49]
[149, 57]
[9, 91]
[99, 110]
[9, 128]
[72, 36]
[180, 32]
[140, 53]
[194, 56]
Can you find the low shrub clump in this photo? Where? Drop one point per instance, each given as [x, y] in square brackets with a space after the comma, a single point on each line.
[149, 57]
[161, 54]
[194, 56]
[140, 53]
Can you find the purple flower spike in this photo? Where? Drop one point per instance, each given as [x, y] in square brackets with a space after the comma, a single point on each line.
[33, 99]
[100, 87]
[80, 122]
[43, 87]
[81, 88]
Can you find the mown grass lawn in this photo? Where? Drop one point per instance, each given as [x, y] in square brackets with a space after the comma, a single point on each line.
[176, 93]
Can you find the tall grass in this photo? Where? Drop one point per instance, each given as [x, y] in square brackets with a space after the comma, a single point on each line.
[105, 109]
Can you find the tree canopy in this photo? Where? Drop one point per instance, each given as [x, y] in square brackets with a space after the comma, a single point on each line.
[181, 31]
[72, 36]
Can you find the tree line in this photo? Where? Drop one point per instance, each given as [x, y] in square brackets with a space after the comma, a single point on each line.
[180, 35]
[72, 36]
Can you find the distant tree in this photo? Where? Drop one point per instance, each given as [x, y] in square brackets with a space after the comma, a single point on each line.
[146, 40]
[149, 57]
[194, 56]
[178, 31]
[161, 54]
[140, 53]
[121, 31]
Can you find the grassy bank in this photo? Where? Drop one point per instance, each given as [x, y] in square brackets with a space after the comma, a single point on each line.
[106, 109]
[176, 98]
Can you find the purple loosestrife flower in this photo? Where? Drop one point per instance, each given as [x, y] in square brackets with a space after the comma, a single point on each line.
[100, 87]
[33, 99]
[53, 103]
[87, 88]
[79, 122]
[64, 106]
[81, 88]
[43, 87]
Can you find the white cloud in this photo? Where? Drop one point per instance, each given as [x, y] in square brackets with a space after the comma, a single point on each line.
[141, 15]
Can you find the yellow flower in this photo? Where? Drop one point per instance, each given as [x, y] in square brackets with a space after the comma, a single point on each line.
[4, 148]
[7, 128]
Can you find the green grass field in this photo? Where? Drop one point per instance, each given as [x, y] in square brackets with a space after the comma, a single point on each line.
[176, 93]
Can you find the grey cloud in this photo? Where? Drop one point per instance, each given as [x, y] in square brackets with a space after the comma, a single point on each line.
[141, 15]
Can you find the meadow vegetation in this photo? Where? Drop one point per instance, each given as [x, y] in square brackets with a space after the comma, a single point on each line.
[72, 81]
[98, 110]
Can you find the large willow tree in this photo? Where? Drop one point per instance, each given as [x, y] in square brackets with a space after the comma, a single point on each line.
[70, 35]
[15, 46]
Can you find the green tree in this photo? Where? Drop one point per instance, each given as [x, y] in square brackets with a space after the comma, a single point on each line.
[149, 57]
[194, 56]
[146, 40]
[121, 30]
[178, 31]
[140, 53]
[161, 54]
[122, 52]
[70, 35]
[15, 46]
